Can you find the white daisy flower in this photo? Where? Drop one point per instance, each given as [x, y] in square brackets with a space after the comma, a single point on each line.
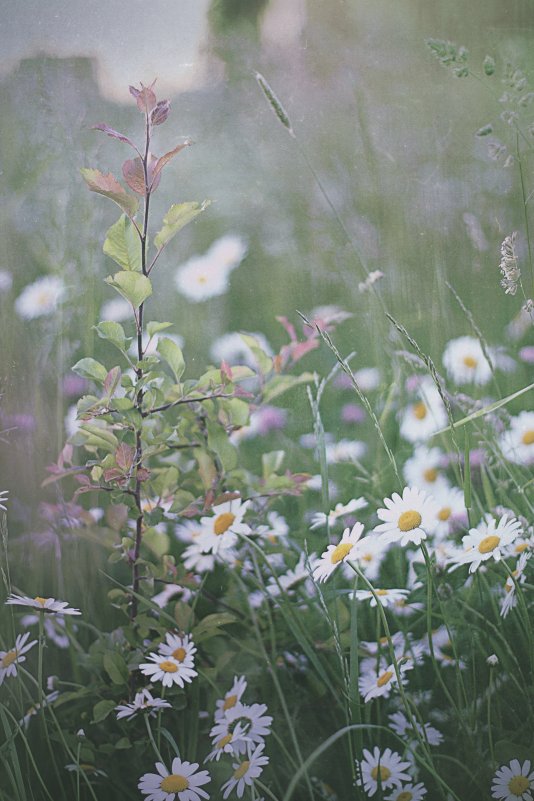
[54, 628]
[255, 724]
[227, 739]
[370, 555]
[513, 782]
[367, 378]
[277, 530]
[49, 605]
[40, 298]
[195, 559]
[407, 519]
[510, 598]
[486, 542]
[168, 592]
[167, 670]
[400, 724]
[464, 360]
[220, 530]
[517, 444]
[10, 659]
[443, 650]
[203, 277]
[452, 513]
[408, 792]
[143, 701]
[181, 783]
[116, 310]
[345, 450]
[6, 281]
[425, 416]
[288, 581]
[182, 649]
[234, 694]
[388, 767]
[320, 518]
[373, 685]
[245, 772]
[335, 554]
[425, 468]
[33, 710]
[386, 597]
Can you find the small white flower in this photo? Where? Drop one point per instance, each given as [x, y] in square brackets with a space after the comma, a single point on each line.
[54, 628]
[367, 378]
[180, 648]
[408, 792]
[517, 444]
[452, 514]
[293, 577]
[245, 772]
[346, 450]
[407, 519]
[513, 782]
[369, 555]
[181, 783]
[386, 597]
[40, 298]
[116, 310]
[492, 660]
[424, 417]
[10, 659]
[400, 724]
[510, 598]
[203, 277]
[220, 530]
[142, 702]
[254, 723]
[425, 469]
[6, 281]
[231, 698]
[228, 738]
[167, 670]
[48, 605]
[388, 767]
[276, 531]
[335, 554]
[168, 592]
[195, 559]
[373, 685]
[486, 542]
[319, 518]
[465, 362]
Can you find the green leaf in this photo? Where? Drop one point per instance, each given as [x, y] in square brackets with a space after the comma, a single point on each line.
[206, 468]
[280, 384]
[102, 710]
[265, 362]
[209, 625]
[183, 614]
[108, 186]
[173, 356]
[154, 328]
[112, 332]
[96, 437]
[219, 443]
[178, 216]
[135, 287]
[90, 368]
[122, 244]
[272, 462]
[116, 668]
[157, 541]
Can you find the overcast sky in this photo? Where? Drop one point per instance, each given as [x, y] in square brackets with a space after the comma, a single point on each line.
[132, 40]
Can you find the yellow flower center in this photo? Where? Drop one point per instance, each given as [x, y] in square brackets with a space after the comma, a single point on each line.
[528, 437]
[489, 544]
[223, 522]
[518, 785]
[9, 658]
[229, 702]
[242, 769]
[367, 557]
[430, 474]
[384, 678]
[174, 783]
[179, 654]
[521, 547]
[409, 520]
[340, 552]
[381, 592]
[470, 362]
[202, 279]
[444, 513]
[168, 667]
[382, 771]
[419, 410]
[225, 740]
[40, 600]
[406, 795]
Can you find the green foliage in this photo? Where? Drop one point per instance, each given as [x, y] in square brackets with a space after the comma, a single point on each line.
[123, 246]
[134, 287]
[178, 216]
[450, 55]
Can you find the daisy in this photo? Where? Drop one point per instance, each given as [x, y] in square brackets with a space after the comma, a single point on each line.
[6, 281]
[195, 559]
[425, 468]
[143, 701]
[408, 792]
[221, 529]
[370, 555]
[517, 444]
[346, 450]
[228, 739]
[386, 597]
[277, 530]
[245, 772]
[49, 605]
[373, 685]
[514, 781]
[443, 650]
[256, 725]
[203, 277]
[182, 783]
[3, 499]
[425, 416]
[54, 628]
[335, 554]
[465, 362]
[182, 649]
[486, 542]
[407, 519]
[168, 592]
[33, 710]
[402, 726]
[231, 697]
[292, 578]
[367, 378]
[116, 310]
[510, 599]
[167, 670]
[452, 513]
[40, 298]
[320, 518]
[388, 767]
[10, 659]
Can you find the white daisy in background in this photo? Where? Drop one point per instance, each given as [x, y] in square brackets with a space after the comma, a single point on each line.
[143, 702]
[181, 783]
[33, 710]
[54, 628]
[386, 597]
[150, 344]
[6, 281]
[517, 444]
[227, 739]
[345, 450]
[400, 724]
[336, 554]
[510, 598]
[465, 363]
[276, 532]
[425, 416]
[370, 555]
[245, 772]
[10, 659]
[367, 378]
[188, 531]
[220, 530]
[408, 792]
[289, 580]
[452, 513]
[443, 650]
[180, 648]
[375, 685]
[232, 349]
[513, 782]
[203, 277]
[425, 469]
[231, 698]
[256, 725]
[407, 519]
[3, 500]
[166, 595]
[116, 310]
[49, 605]
[167, 670]
[320, 518]
[388, 767]
[487, 541]
[40, 298]
[195, 559]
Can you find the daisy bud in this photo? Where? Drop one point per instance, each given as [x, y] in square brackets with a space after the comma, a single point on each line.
[492, 660]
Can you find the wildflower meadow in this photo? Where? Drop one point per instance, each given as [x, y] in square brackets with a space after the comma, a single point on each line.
[280, 563]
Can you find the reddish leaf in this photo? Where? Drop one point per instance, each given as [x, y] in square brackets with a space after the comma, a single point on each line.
[124, 456]
[288, 326]
[226, 370]
[108, 186]
[114, 134]
[112, 381]
[134, 174]
[160, 113]
[161, 162]
[144, 97]
[142, 474]
[114, 474]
